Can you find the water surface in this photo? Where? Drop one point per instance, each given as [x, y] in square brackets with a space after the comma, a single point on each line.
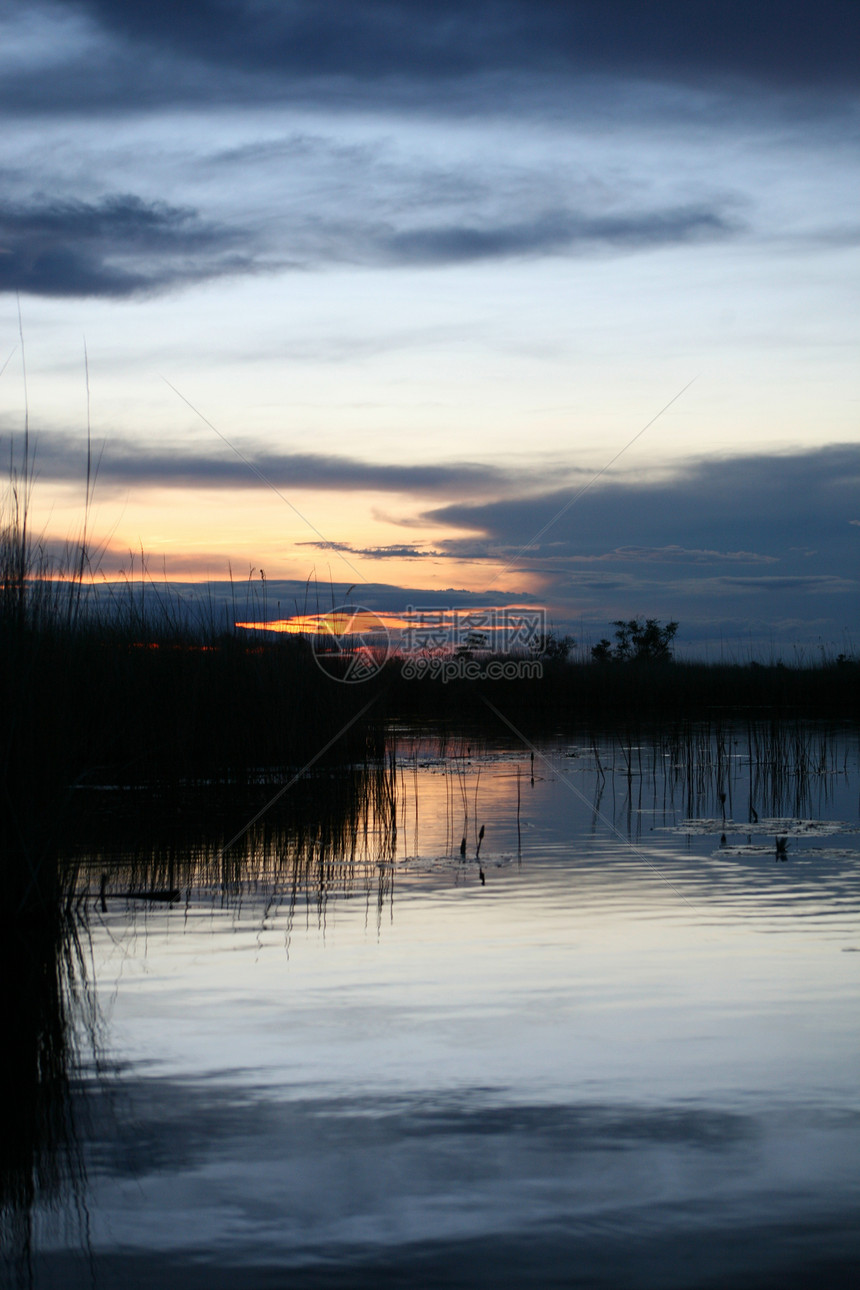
[616, 1044]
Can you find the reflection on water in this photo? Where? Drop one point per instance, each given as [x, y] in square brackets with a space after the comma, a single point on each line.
[610, 1040]
[46, 1011]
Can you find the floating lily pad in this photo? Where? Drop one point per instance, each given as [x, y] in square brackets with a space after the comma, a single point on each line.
[784, 827]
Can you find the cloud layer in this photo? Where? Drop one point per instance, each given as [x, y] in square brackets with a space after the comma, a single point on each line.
[747, 543]
[377, 49]
[74, 60]
[117, 246]
[126, 464]
[122, 246]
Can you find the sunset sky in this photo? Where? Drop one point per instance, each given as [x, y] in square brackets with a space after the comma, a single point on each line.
[371, 290]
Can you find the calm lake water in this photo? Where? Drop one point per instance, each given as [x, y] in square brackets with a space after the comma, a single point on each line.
[616, 1046]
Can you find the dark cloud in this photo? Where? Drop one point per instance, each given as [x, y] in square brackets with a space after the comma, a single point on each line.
[378, 552]
[673, 548]
[115, 246]
[811, 584]
[126, 465]
[674, 554]
[121, 246]
[763, 504]
[487, 54]
[481, 235]
[786, 41]
[557, 232]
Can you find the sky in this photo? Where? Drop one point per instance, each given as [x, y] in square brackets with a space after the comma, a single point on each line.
[521, 302]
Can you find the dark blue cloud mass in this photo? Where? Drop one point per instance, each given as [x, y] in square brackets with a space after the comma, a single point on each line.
[442, 52]
[87, 60]
[758, 539]
[796, 504]
[787, 42]
[115, 246]
[122, 246]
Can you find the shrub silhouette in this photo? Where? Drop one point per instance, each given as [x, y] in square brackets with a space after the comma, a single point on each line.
[637, 640]
[552, 647]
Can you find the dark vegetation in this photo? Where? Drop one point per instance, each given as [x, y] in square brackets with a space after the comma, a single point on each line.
[637, 642]
[46, 1016]
[574, 694]
[130, 694]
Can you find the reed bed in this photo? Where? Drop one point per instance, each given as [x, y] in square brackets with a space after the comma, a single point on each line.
[736, 769]
[131, 691]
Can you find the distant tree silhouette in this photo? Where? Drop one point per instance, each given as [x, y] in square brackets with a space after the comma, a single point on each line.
[552, 647]
[636, 641]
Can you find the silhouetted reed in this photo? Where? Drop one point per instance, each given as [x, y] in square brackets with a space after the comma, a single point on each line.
[730, 769]
[47, 1012]
[133, 692]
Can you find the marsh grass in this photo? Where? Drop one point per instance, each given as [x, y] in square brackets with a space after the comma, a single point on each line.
[127, 683]
[735, 770]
